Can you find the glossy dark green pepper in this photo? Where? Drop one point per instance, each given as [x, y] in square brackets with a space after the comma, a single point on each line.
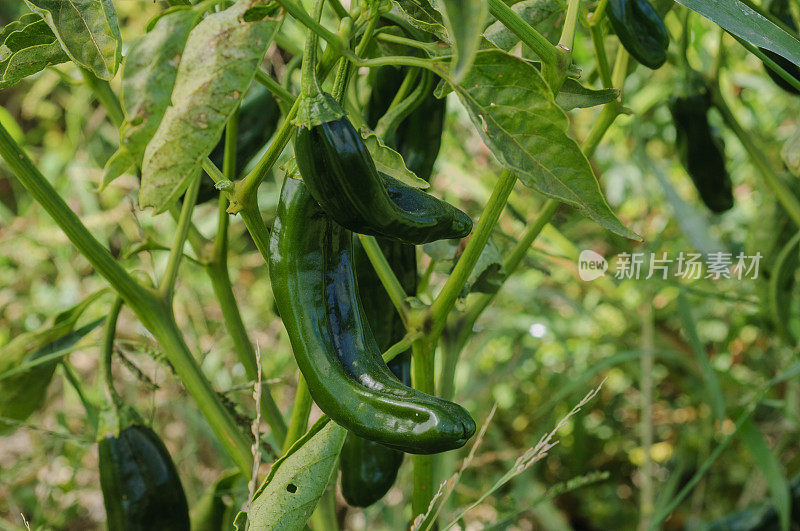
[316, 293]
[258, 119]
[342, 177]
[141, 487]
[369, 469]
[701, 150]
[783, 12]
[641, 31]
[418, 138]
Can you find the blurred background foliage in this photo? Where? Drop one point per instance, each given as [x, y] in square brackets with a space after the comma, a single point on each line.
[547, 340]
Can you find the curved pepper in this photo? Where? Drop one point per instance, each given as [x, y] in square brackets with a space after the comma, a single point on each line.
[341, 176]
[418, 138]
[141, 487]
[702, 151]
[258, 119]
[781, 10]
[369, 469]
[316, 292]
[641, 31]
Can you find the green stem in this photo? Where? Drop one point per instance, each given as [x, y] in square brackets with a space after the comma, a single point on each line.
[245, 193]
[107, 352]
[452, 348]
[300, 413]
[599, 11]
[278, 90]
[567, 39]
[167, 287]
[399, 111]
[385, 273]
[105, 95]
[303, 17]
[784, 195]
[156, 316]
[422, 376]
[75, 381]
[427, 47]
[527, 34]
[310, 83]
[217, 269]
[600, 53]
[446, 299]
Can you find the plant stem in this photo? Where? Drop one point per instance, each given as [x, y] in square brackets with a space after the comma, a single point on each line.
[107, 352]
[600, 53]
[386, 275]
[769, 62]
[156, 316]
[75, 382]
[527, 34]
[446, 299]
[167, 287]
[646, 502]
[278, 90]
[298, 12]
[246, 189]
[422, 376]
[782, 192]
[105, 95]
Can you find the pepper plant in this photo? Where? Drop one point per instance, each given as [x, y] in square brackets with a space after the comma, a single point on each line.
[342, 106]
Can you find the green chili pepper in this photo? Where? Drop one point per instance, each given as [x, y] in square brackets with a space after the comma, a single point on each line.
[316, 292]
[141, 487]
[783, 12]
[641, 31]
[258, 119]
[418, 138]
[369, 469]
[701, 150]
[341, 176]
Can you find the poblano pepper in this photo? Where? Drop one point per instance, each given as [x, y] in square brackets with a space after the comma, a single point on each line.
[418, 138]
[783, 12]
[141, 487]
[701, 150]
[369, 469]
[342, 177]
[641, 31]
[316, 292]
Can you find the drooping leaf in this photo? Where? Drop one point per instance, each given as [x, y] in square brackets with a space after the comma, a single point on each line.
[219, 63]
[87, 30]
[27, 46]
[422, 15]
[296, 482]
[515, 112]
[464, 20]
[540, 14]
[769, 466]
[742, 21]
[148, 77]
[390, 162]
[573, 95]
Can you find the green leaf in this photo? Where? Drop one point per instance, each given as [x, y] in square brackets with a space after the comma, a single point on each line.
[297, 481]
[713, 389]
[488, 274]
[542, 15]
[515, 112]
[390, 162]
[87, 31]
[220, 61]
[464, 20]
[148, 77]
[742, 21]
[212, 512]
[27, 46]
[573, 95]
[767, 463]
[421, 15]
